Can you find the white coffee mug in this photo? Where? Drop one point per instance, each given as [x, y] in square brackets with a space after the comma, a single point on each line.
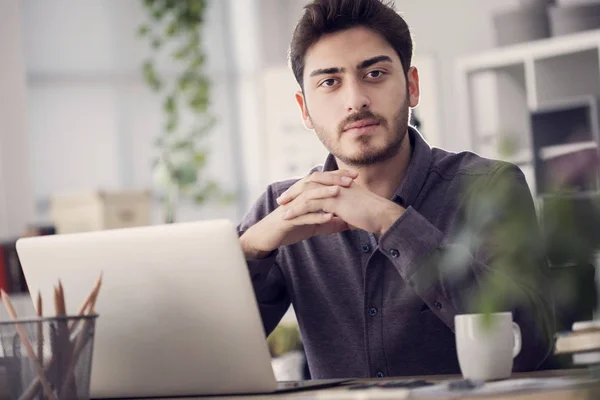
[486, 351]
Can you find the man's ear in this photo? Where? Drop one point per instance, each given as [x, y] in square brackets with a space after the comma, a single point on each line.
[304, 110]
[413, 86]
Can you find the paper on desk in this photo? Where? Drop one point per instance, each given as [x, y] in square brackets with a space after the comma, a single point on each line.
[363, 394]
[501, 387]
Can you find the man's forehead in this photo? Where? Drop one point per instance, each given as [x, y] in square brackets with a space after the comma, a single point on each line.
[347, 49]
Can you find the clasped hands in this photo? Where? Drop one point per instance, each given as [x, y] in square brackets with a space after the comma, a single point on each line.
[321, 203]
[337, 202]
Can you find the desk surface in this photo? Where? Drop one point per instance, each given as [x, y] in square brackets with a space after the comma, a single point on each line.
[583, 391]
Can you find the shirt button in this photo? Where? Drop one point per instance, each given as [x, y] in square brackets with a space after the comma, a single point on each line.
[366, 248]
[372, 311]
[380, 374]
[437, 305]
[394, 253]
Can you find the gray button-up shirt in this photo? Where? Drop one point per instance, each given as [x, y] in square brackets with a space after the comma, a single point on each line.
[369, 308]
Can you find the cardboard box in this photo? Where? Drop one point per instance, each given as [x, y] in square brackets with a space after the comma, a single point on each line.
[99, 210]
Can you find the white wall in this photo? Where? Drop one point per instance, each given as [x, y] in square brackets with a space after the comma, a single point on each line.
[93, 121]
[16, 202]
[245, 41]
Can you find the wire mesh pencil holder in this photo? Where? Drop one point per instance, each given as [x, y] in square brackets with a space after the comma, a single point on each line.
[48, 358]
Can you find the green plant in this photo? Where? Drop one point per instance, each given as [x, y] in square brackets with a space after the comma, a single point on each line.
[175, 27]
[562, 231]
[285, 338]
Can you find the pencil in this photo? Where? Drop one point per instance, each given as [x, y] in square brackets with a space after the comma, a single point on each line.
[40, 329]
[28, 348]
[86, 302]
[40, 333]
[64, 343]
[33, 387]
[80, 343]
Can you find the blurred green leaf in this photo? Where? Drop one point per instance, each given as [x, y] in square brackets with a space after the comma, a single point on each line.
[172, 29]
[212, 191]
[169, 104]
[194, 38]
[199, 100]
[200, 160]
[183, 145]
[171, 124]
[197, 6]
[143, 30]
[150, 76]
[158, 13]
[205, 128]
[186, 174]
[180, 54]
[198, 61]
[156, 43]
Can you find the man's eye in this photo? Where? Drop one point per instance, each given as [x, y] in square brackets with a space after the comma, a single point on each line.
[375, 74]
[328, 82]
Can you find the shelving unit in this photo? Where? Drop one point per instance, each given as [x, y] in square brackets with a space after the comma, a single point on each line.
[551, 152]
[541, 97]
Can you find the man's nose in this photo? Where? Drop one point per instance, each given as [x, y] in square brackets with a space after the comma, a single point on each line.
[357, 99]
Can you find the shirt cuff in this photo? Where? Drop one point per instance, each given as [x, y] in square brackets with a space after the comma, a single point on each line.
[409, 241]
[259, 266]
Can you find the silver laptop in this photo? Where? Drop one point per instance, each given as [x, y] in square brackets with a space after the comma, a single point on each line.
[178, 315]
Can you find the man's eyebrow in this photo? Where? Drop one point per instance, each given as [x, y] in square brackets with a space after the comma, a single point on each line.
[327, 71]
[362, 65]
[373, 60]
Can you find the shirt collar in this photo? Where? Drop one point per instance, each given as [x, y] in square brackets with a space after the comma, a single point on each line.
[417, 170]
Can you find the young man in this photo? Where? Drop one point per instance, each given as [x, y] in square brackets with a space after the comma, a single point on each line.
[358, 246]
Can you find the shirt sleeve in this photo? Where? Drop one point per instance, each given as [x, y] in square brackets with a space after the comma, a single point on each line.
[494, 263]
[267, 279]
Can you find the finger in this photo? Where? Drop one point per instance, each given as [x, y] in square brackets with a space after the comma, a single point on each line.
[311, 201]
[336, 225]
[312, 219]
[340, 177]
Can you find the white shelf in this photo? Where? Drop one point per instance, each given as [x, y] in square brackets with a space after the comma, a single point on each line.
[549, 152]
[536, 50]
[514, 91]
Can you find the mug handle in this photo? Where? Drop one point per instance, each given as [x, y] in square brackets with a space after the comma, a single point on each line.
[517, 339]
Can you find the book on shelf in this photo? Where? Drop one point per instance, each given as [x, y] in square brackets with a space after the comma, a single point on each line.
[586, 358]
[583, 339]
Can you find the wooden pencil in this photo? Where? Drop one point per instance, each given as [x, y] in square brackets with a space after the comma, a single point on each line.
[34, 386]
[28, 348]
[86, 302]
[65, 347]
[40, 333]
[80, 342]
[40, 329]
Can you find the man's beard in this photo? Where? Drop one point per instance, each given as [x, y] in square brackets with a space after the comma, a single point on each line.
[370, 156]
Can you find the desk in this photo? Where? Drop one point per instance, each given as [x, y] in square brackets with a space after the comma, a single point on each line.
[584, 391]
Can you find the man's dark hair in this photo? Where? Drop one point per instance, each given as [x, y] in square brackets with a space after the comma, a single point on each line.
[322, 17]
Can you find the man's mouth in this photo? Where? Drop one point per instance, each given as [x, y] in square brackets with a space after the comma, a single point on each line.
[361, 124]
